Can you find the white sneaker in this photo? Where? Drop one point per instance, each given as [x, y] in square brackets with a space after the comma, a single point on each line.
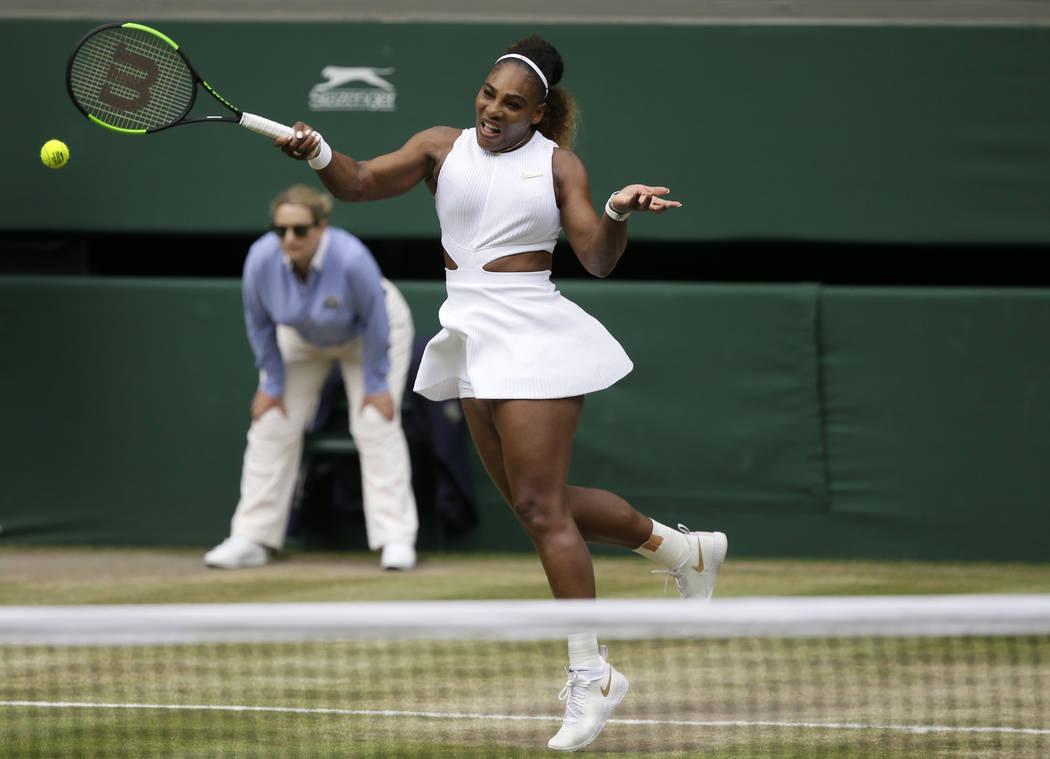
[236, 553]
[588, 704]
[399, 555]
[690, 581]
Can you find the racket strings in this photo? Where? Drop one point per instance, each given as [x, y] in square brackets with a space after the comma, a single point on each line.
[130, 79]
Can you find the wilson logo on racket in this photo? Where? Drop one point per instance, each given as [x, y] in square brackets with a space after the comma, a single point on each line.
[135, 80]
[136, 75]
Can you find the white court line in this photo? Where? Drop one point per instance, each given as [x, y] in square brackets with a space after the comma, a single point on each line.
[520, 717]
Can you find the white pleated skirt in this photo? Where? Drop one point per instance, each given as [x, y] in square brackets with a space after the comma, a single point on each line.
[513, 335]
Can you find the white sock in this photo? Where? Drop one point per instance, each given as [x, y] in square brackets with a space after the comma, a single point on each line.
[583, 651]
[667, 547]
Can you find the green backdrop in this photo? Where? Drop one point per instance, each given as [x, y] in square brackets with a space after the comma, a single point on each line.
[802, 420]
[822, 133]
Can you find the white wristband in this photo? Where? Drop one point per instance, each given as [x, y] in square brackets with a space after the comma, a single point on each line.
[613, 213]
[323, 157]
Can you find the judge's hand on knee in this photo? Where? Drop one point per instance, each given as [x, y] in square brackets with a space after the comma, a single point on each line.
[263, 402]
[383, 403]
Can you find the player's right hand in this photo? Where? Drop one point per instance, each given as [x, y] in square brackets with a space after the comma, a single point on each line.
[303, 145]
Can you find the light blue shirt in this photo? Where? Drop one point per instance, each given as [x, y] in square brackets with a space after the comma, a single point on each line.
[341, 299]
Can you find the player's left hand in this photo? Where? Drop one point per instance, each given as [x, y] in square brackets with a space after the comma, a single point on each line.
[383, 402]
[643, 197]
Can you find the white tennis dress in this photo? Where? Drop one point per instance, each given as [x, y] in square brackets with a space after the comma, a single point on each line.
[508, 334]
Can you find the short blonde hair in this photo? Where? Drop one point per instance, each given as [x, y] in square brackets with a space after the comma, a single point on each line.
[319, 203]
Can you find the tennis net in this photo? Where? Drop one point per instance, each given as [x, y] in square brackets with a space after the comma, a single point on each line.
[953, 676]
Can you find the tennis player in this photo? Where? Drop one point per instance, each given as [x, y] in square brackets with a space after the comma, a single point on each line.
[519, 355]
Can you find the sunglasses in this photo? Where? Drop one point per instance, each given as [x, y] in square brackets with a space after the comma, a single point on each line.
[299, 230]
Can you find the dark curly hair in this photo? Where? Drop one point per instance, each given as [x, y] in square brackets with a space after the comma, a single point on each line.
[562, 116]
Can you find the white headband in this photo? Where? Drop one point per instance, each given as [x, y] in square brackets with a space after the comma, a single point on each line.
[533, 66]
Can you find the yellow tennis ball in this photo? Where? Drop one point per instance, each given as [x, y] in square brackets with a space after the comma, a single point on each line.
[54, 154]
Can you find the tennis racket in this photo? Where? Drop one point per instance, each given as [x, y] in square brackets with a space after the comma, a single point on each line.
[134, 80]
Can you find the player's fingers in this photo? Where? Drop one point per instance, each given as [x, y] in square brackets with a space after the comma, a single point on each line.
[659, 205]
[299, 143]
[313, 146]
[306, 143]
[296, 144]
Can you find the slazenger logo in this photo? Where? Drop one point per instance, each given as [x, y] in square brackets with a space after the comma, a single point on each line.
[333, 94]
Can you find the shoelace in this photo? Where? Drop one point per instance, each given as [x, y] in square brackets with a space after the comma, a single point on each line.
[675, 573]
[678, 573]
[572, 694]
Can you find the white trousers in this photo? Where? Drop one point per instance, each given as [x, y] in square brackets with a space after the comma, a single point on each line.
[275, 442]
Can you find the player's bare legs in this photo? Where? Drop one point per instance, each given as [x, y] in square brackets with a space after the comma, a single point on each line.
[604, 517]
[526, 446]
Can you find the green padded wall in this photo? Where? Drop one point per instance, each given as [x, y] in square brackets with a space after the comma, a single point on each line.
[127, 405]
[938, 410]
[802, 420]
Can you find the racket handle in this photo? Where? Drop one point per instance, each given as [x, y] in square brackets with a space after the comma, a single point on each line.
[264, 126]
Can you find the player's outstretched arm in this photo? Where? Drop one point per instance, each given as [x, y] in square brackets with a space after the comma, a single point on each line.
[598, 238]
[385, 176]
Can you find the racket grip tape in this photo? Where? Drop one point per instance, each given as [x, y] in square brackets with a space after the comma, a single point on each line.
[264, 126]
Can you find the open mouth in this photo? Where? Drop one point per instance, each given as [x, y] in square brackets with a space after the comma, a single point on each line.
[487, 129]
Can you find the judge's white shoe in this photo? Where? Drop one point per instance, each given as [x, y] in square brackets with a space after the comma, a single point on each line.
[689, 578]
[398, 555]
[589, 702]
[236, 553]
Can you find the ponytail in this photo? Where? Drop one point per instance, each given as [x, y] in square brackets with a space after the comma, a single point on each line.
[561, 120]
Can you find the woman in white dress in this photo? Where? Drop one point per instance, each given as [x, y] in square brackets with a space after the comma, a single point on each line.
[519, 355]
